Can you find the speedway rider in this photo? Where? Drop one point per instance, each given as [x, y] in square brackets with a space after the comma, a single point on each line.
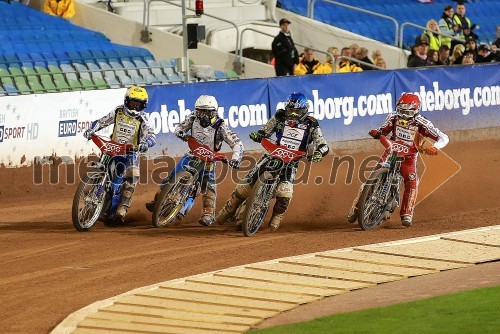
[406, 126]
[131, 126]
[208, 129]
[286, 124]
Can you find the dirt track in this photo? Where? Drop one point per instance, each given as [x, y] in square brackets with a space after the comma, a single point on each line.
[49, 270]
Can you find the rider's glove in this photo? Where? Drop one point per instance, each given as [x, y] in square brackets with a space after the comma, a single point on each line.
[317, 156]
[143, 147]
[431, 150]
[88, 133]
[374, 133]
[182, 135]
[233, 163]
[255, 136]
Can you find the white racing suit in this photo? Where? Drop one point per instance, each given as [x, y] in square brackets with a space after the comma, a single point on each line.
[294, 135]
[211, 136]
[127, 130]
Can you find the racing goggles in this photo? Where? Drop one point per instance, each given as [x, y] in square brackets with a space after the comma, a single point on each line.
[406, 112]
[294, 113]
[136, 105]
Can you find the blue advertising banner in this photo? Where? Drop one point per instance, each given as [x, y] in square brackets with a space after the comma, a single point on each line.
[243, 104]
[455, 98]
[346, 105]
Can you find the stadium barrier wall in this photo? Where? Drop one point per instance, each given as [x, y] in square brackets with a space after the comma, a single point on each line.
[346, 105]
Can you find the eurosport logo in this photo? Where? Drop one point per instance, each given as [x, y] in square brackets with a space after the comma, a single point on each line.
[72, 127]
[67, 128]
[1, 133]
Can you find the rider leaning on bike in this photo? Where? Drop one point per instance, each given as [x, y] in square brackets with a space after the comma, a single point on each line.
[294, 129]
[131, 126]
[208, 129]
[404, 125]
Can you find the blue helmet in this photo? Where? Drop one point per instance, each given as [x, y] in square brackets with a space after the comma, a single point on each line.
[296, 106]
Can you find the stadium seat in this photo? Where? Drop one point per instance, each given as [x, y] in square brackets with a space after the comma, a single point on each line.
[220, 75]
[61, 82]
[232, 75]
[22, 85]
[48, 84]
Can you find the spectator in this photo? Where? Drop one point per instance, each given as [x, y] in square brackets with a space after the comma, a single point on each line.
[432, 58]
[375, 55]
[362, 54]
[345, 65]
[285, 53]
[468, 58]
[432, 38]
[61, 8]
[420, 58]
[497, 41]
[354, 48]
[471, 45]
[380, 62]
[458, 50]
[444, 55]
[448, 26]
[328, 65]
[308, 64]
[484, 55]
[463, 22]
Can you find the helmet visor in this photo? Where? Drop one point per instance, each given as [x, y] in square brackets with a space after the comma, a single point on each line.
[294, 113]
[135, 105]
[406, 112]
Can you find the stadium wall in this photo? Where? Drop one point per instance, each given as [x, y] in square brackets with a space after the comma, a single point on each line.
[34, 127]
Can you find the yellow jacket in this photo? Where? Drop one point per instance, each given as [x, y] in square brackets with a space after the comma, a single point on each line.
[62, 8]
[303, 69]
[343, 67]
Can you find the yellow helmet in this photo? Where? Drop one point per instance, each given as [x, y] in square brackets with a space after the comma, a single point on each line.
[136, 100]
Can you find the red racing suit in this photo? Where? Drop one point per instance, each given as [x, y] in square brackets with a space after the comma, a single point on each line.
[409, 133]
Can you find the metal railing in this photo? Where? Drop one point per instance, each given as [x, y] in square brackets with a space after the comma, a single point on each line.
[145, 32]
[423, 28]
[310, 14]
[354, 61]
[240, 49]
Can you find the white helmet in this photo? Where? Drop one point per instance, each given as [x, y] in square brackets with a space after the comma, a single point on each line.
[206, 109]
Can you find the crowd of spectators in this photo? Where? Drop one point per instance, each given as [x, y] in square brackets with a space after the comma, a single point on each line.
[454, 33]
[287, 60]
[451, 40]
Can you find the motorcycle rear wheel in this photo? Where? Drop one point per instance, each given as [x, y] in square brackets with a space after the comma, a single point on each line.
[257, 204]
[371, 211]
[85, 214]
[171, 200]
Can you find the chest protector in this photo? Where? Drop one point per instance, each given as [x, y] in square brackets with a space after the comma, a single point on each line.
[293, 136]
[405, 132]
[206, 136]
[126, 129]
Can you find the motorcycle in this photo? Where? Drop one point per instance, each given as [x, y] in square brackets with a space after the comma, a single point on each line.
[99, 191]
[380, 195]
[255, 208]
[177, 196]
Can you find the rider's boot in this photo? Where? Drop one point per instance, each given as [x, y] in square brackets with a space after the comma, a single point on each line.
[406, 220]
[209, 197]
[125, 201]
[151, 205]
[352, 216]
[278, 212]
[238, 196]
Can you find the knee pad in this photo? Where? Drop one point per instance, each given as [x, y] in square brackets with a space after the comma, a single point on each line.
[285, 189]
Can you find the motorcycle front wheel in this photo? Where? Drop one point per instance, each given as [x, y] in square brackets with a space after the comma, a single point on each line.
[172, 199]
[257, 204]
[88, 201]
[372, 206]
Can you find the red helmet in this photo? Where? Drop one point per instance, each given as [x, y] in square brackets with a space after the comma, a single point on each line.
[408, 105]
